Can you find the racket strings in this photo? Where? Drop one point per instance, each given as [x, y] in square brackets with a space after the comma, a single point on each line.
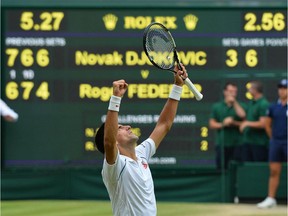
[160, 47]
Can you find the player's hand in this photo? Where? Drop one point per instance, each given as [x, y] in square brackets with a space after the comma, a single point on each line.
[228, 121]
[180, 75]
[119, 88]
[230, 98]
[243, 125]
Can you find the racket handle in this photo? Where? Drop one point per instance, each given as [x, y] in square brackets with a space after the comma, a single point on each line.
[192, 87]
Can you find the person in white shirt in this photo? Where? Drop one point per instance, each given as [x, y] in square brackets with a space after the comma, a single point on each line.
[126, 173]
[7, 113]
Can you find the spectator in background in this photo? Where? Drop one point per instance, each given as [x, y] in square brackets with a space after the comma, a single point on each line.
[255, 139]
[7, 113]
[276, 128]
[225, 118]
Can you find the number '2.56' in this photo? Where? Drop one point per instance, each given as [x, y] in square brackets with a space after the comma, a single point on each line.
[267, 22]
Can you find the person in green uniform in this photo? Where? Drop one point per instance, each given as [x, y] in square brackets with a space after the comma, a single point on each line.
[255, 139]
[225, 118]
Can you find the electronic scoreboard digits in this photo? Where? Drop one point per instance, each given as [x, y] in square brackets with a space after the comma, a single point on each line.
[58, 65]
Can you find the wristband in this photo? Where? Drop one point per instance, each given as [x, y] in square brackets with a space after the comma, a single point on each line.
[114, 104]
[176, 92]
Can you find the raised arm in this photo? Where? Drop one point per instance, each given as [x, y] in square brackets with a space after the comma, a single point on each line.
[111, 124]
[239, 109]
[168, 113]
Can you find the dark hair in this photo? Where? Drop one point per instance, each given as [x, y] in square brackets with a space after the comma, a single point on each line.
[257, 85]
[99, 139]
[229, 83]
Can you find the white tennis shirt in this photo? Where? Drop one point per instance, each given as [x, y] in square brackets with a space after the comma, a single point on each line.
[130, 184]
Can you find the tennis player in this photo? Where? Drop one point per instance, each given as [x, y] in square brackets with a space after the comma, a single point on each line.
[126, 172]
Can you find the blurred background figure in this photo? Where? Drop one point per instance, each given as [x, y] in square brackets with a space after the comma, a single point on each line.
[255, 139]
[225, 117]
[276, 128]
[7, 113]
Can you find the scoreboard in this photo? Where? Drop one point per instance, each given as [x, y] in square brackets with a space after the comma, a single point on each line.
[58, 65]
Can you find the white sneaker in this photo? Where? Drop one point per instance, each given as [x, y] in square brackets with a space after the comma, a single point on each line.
[269, 202]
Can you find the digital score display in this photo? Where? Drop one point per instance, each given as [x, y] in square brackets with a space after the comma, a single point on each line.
[58, 65]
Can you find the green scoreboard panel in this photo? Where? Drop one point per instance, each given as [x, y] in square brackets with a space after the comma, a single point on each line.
[58, 65]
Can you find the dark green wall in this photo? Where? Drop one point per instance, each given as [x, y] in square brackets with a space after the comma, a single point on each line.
[247, 181]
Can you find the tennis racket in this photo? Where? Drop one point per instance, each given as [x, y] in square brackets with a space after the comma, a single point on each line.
[160, 49]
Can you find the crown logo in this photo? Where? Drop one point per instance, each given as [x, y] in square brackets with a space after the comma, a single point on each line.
[190, 21]
[110, 21]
